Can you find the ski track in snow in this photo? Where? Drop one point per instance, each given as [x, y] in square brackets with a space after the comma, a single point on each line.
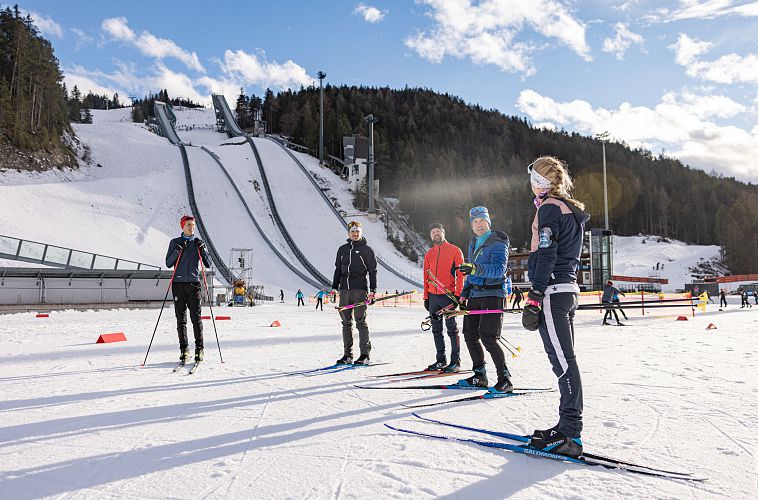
[81, 420]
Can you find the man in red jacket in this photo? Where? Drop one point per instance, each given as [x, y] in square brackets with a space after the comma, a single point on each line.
[443, 260]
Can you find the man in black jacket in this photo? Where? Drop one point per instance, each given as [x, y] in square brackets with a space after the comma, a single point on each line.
[355, 260]
[184, 252]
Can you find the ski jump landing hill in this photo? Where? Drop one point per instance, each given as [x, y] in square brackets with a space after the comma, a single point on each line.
[302, 212]
[224, 217]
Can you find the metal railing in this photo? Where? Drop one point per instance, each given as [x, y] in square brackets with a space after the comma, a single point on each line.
[46, 254]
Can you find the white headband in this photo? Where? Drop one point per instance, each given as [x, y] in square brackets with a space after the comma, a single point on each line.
[538, 180]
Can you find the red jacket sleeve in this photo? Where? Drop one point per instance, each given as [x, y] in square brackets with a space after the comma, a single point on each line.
[424, 277]
[459, 278]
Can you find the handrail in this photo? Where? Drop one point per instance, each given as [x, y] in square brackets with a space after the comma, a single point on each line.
[252, 217]
[66, 260]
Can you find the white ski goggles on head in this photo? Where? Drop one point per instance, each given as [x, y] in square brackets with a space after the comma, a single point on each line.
[537, 180]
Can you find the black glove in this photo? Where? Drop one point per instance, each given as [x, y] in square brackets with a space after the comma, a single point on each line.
[467, 268]
[462, 302]
[200, 244]
[426, 304]
[531, 315]
[181, 245]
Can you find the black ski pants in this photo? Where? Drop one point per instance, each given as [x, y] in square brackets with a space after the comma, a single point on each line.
[348, 297]
[187, 296]
[556, 327]
[320, 303]
[610, 309]
[484, 329]
[437, 302]
[722, 302]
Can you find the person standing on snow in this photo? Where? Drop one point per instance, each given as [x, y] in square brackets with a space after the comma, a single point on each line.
[485, 289]
[557, 235]
[518, 296]
[355, 260]
[299, 295]
[320, 299]
[185, 253]
[281, 296]
[443, 260]
[722, 295]
[608, 293]
[616, 300]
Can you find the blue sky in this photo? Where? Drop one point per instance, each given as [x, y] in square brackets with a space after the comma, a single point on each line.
[679, 75]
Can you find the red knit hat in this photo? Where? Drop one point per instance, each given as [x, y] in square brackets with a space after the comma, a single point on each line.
[184, 220]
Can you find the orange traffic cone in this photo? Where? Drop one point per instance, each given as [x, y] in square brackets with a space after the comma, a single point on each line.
[711, 326]
[276, 323]
[682, 318]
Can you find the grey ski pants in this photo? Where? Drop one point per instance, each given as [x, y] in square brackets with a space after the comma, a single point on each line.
[556, 328]
[348, 297]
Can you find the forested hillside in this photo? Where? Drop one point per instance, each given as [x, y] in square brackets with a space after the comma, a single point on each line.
[35, 130]
[441, 156]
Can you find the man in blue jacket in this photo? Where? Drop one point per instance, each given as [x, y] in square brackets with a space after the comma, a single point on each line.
[185, 253]
[485, 289]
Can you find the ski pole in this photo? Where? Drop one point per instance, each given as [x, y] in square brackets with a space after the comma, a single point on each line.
[163, 305]
[513, 354]
[210, 304]
[426, 325]
[436, 282]
[368, 303]
[518, 348]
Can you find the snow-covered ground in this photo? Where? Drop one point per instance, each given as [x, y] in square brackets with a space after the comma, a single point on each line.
[632, 257]
[81, 420]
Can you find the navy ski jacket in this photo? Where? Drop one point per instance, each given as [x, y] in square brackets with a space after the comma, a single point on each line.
[557, 236]
[491, 260]
[188, 270]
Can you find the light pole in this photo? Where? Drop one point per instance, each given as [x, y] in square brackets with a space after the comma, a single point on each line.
[603, 138]
[371, 120]
[321, 75]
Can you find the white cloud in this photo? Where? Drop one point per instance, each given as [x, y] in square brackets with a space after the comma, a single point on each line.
[253, 71]
[47, 26]
[82, 38]
[370, 14]
[730, 68]
[682, 123]
[708, 9]
[485, 32]
[149, 44]
[620, 43]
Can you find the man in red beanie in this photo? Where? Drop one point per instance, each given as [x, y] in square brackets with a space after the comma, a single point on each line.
[185, 253]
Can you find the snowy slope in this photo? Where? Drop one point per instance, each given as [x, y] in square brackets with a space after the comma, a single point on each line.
[83, 421]
[632, 257]
[127, 208]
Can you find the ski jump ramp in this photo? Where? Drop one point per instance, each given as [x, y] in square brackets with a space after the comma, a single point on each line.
[213, 193]
[300, 201]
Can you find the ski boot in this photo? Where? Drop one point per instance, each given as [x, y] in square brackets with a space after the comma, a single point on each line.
[554, 441]
[198, 354]
[453, 367]
[362, 360]
[503, 382]
[345, 360]
[436, 366]
[478, 379]
[184, 356]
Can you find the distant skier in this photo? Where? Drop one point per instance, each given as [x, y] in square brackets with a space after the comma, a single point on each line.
[755, 296]
[745, 300]
[485, 289]
[281, 296]
[442, 260]
[518, 296]
[557, 235]
[299, 295]
[722, 295]
[355, 261]
[320, 299]
[616, 300]
[608, 292]
[185, 252]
